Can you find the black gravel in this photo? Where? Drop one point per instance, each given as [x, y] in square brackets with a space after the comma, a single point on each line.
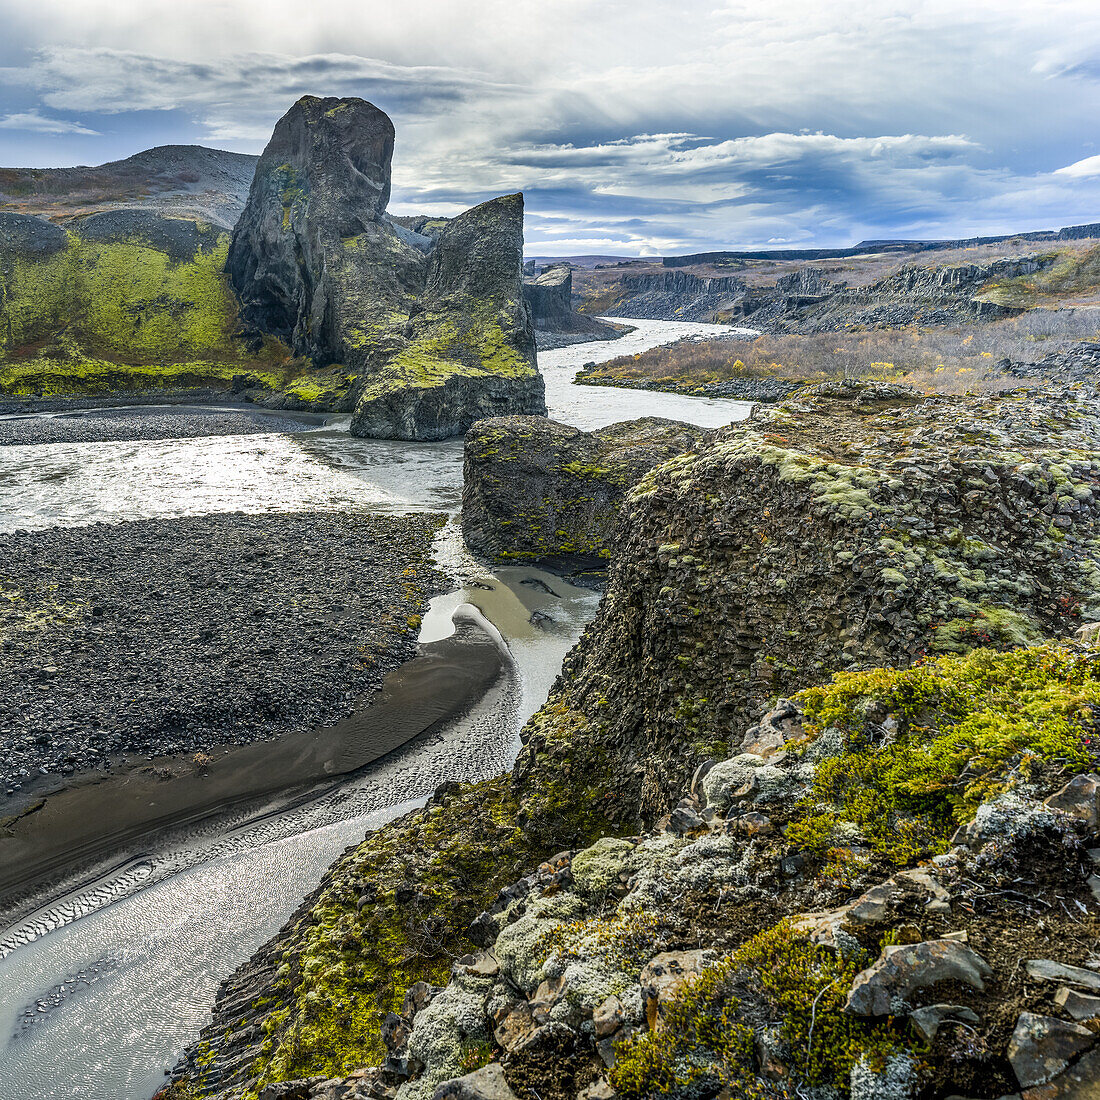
[110, 425]
[173, 636]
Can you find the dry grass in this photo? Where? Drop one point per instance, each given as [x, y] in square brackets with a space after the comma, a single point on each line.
[944, 360]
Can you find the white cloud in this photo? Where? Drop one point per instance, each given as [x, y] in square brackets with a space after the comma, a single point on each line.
[35, 121]
[1081, 169]
[708, 123]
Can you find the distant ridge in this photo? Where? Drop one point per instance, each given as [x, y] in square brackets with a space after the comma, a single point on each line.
[190, 181]
[1070, 233]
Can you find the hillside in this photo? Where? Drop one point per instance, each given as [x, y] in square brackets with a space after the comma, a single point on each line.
[183, 181]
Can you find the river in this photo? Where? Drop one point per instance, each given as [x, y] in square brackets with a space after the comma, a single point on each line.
[103, 987]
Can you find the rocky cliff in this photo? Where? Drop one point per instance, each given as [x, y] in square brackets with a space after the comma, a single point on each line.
[549, 296]
[435, 341]
[841, 541]
[676, 296]
[535, 490]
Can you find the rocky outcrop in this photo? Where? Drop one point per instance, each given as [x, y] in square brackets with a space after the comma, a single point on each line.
[806, 301]
[860, 524]
[323, 179]
[660, 805]
[549, 296]
[467, 349]
[677, 296]
[435, 341]
[538, 491]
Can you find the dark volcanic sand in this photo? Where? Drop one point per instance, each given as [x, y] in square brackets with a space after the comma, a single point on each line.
[111, 425]
[172, 636]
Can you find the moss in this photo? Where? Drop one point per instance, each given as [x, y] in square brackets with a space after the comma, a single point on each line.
[103, 316]
[706, 1043]
[991, 718]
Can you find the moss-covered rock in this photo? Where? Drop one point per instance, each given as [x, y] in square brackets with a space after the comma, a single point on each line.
[436, 341]
[537, 490]
[123, 301]
[469, 347]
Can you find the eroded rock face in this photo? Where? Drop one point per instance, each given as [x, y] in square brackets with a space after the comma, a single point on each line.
[467, 349]
[537, 490]
[436, 340]
[314, 210]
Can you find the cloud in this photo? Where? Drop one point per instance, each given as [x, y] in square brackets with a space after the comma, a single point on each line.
[1081, 169]
[633, 125]
[38, 123]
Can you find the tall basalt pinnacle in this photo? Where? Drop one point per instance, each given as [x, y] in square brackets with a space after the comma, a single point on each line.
[436, 341]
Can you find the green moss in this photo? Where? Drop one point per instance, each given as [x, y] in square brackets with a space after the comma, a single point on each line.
[449, 346]
[985, 716]
[704, 1044]
[100, 316]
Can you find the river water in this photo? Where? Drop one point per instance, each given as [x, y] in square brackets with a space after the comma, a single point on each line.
[101, 989]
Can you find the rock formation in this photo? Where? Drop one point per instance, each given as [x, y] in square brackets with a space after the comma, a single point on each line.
[538, 491]
[436, 342]
[550, 299]
[665, 820]
[122, 301]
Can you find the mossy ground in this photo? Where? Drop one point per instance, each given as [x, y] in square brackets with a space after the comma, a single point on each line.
[967, 728]
[100, 317]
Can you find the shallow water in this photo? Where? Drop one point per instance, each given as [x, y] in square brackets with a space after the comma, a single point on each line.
[144, 948]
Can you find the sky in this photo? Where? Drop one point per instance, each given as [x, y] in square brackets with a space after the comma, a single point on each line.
[646, 127]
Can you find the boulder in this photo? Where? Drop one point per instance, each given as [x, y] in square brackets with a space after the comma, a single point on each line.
[904, 969]
[487, 1083]
[539, 491]
[1041, 1047]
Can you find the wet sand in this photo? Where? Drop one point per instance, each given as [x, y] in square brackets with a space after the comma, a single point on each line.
[97, 816]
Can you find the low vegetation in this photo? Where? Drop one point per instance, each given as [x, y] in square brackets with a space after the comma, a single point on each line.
[934, 360]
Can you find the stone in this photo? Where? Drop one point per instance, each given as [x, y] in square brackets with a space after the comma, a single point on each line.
[664, 976]
[514, 1026]
[883, 901]
[608, 1017]
[487, 1083]
[928, 1021]
[600, 1089]
[483, 964]
[684, 820]
[418, 996]
[903, 969]
[1078, 1082]
[549, 993]
[1080, 798]
[1046, 970]
[291, 1090]
[1081, 1006]
[1042, 1046]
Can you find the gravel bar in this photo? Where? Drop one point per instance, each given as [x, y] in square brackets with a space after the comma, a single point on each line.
[173, 636]
[125, 425]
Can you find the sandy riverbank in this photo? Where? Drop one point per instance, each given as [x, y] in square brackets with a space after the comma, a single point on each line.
[97, 816]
